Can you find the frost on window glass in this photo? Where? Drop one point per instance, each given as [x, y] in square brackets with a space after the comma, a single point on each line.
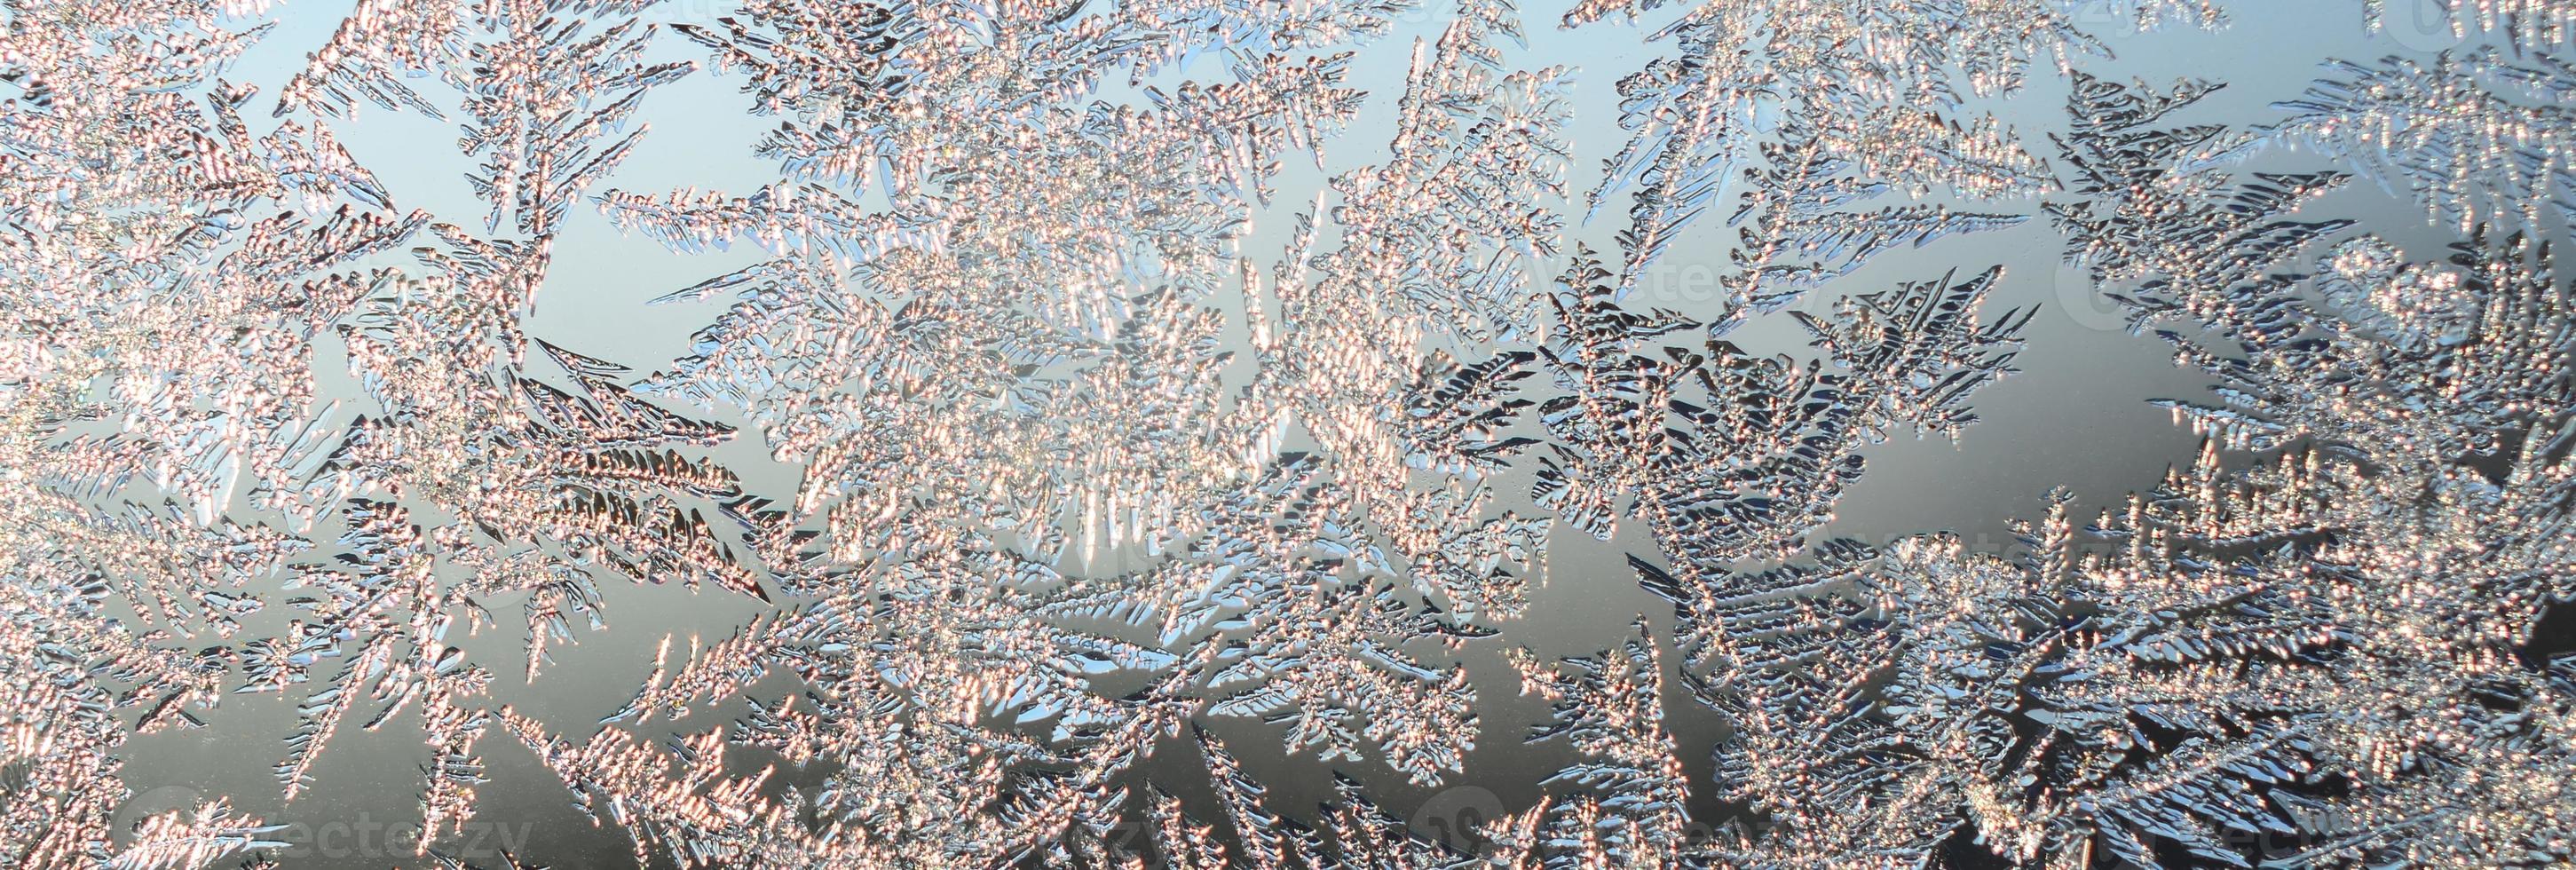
[1331, 433]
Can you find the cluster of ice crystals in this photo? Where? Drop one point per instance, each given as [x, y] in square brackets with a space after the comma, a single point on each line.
[1082, 482]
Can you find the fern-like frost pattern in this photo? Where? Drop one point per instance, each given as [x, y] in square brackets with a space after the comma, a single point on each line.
[1155, 433]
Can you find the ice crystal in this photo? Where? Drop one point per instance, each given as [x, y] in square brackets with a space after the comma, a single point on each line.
[1164, 401]
[2534, 24]
[2476, 137]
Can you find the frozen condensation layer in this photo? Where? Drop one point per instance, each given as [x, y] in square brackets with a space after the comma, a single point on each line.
[1099, 408]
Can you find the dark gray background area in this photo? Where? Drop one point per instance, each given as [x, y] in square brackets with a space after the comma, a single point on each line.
[2077, 415]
